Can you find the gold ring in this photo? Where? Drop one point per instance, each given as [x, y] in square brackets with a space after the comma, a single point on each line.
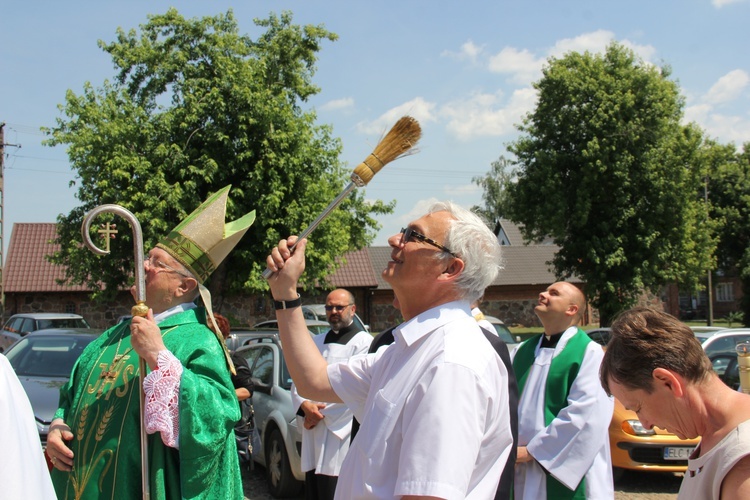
[54, 460]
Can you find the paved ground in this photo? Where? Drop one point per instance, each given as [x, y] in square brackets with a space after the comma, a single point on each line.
[633, 486]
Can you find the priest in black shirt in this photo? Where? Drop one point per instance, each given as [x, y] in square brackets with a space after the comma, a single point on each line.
[326, 427]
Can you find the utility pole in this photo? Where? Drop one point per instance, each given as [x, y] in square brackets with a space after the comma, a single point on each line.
[2, 212]
[710, 319]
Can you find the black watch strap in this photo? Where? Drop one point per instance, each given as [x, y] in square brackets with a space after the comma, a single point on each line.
[287, 304]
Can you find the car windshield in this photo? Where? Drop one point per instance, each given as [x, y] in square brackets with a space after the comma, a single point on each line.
[504, 333]
[46, 357]
[61, 323]
[724, 345]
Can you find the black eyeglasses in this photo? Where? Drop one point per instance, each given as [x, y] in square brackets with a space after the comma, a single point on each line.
[409, 234]
[337, 308]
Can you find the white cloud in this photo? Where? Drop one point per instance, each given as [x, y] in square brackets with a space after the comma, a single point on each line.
[418, 108]
[705, 109]
[520, 64]
[728, 88]
[724, 128]
[338, 104]
[469, 51]
[484, 115]
[721, 3]
[596, 42]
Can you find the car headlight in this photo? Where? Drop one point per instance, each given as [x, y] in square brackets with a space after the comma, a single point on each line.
[636, 428]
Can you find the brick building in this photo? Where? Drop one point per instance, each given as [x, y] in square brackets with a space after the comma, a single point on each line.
[30, 284]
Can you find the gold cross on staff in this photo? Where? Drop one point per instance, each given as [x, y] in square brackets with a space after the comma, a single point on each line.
[108, 231]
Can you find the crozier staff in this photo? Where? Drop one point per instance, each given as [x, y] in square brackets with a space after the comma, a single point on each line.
[190, 400]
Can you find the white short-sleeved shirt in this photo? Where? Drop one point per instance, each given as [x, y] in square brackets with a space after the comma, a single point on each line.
[434, 412]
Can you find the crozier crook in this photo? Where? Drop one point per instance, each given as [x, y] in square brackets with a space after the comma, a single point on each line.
[139, 309]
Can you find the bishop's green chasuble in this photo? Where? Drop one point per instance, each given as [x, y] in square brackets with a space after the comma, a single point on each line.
[101, 404]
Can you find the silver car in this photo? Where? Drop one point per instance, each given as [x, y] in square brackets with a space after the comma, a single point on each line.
[42, 361]
[275, 416]
[20, 325]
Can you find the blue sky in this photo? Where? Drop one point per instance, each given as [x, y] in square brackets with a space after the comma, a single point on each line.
[463, 69]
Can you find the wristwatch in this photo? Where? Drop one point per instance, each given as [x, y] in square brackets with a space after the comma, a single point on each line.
[287, 304]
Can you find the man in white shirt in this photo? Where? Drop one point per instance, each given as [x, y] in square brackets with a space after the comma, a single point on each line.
[434, 404]
[563, 413]
[327, 427]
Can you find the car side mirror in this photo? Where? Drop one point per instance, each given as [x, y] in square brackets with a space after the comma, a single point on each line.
[260, 386]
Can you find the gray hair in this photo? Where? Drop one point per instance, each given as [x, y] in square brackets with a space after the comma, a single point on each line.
[471, 240]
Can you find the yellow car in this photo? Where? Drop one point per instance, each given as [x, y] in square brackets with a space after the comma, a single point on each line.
[636, 448]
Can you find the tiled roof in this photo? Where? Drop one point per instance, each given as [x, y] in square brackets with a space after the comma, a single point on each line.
[27, 268]
[357, 272]
[528, 265]
[511, 232]
[379, 256]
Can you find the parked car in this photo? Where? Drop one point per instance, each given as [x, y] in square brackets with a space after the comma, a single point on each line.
[632, 446]
[502, 331]
[704, 332]
[43, 360]
[315, 326]
[275, 416]
[724, 342]
[600, 335]
[238, 338]
[318, 311]
[19, 325]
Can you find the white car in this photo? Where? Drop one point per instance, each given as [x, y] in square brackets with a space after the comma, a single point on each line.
[721, 350]
[704, 332]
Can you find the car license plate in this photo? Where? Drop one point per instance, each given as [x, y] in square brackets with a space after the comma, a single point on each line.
[677, 453]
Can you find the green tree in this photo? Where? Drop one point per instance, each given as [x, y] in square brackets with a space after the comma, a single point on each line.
[609, 173]
[195, 106]
[494, 186]
[729, 195]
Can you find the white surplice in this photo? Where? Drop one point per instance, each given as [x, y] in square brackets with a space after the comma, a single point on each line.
[325, 445]
[23, 470]
[576, 443]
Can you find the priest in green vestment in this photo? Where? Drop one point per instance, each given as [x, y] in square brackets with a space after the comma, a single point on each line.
[563, 412]
[191, 406]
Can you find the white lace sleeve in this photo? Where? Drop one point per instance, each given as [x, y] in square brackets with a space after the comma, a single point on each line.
[162, 389]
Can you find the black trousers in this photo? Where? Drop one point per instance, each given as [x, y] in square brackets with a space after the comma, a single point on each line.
[319, 486]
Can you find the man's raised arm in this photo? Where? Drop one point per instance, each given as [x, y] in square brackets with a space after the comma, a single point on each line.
[307, 367]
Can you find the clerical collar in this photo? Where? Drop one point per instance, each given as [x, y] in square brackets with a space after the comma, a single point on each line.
[551, 341]
[158, 318]
[334, 337]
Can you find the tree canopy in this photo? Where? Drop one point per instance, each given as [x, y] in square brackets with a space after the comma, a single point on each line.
[606, 169]
[729, 196]
[494, 186]
[195, 105]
